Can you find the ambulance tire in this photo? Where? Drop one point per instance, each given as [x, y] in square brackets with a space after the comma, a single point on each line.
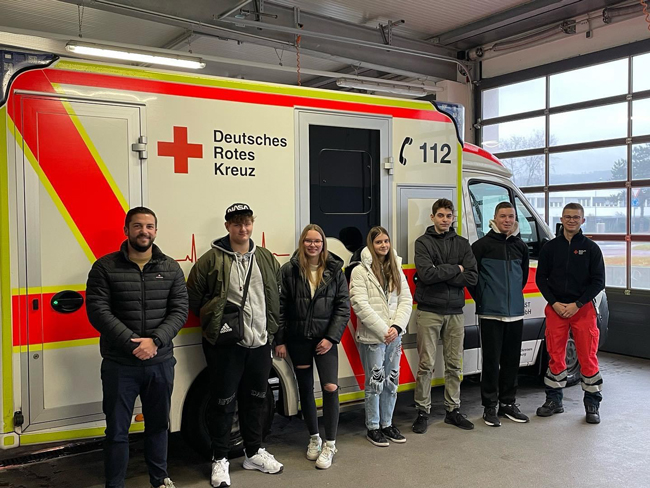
[194, 426]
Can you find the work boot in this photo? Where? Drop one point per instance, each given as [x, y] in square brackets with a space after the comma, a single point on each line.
[549, 408]
[593, 417]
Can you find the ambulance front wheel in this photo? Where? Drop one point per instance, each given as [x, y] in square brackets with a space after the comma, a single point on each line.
[194, 425]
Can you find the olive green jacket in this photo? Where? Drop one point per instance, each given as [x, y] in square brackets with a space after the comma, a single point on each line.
[208, 284]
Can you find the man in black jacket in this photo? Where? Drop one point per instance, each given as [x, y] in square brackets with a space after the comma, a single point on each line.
[570, 274]
[502, 259]
[445, 266]
[136, 298]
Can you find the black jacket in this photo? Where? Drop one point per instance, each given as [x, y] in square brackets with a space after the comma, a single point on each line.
[570, 271]
[324, 316]
[124, 303]
[439, 286]
[502, 275]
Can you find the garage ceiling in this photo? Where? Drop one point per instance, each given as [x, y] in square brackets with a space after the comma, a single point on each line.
[337, 35]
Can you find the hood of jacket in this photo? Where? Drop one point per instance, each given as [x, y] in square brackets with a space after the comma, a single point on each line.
[366, 258]
[223, 244]
[513, 232]
[431, 231]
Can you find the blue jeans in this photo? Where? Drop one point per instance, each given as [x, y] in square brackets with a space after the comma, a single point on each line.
[381, 367]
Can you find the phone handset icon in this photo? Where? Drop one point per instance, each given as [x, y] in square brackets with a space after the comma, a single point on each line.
[407, 142]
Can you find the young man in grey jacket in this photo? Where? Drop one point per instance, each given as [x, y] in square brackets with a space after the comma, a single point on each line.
[445, 265]
[238, 372]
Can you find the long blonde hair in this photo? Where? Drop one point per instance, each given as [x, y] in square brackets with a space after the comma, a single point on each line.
[303, 261]
[384, 268]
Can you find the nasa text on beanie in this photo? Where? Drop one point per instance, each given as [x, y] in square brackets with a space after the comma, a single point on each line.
[238, 209]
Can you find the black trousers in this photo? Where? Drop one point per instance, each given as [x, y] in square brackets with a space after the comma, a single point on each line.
[303, 353]
[501, 347]
[239, 377]
[121, 385]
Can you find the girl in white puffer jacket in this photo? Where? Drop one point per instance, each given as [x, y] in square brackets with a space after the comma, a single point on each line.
[382, 302]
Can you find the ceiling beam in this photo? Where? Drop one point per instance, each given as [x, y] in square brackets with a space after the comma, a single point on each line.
[200, 17]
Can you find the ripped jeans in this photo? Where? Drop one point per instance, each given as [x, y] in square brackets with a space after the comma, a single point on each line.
[381, 366]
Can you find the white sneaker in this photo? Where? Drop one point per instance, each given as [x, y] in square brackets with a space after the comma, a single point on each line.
[263, 461]
[314, 448]
[324, 461]
[167, 483]
[220, 476]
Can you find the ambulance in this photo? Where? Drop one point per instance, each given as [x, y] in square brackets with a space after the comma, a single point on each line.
[82, 142]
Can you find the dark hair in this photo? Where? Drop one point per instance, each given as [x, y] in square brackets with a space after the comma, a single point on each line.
[502, 205]
[136, 211]
[241, 218]
[574, 206]
[442, 203]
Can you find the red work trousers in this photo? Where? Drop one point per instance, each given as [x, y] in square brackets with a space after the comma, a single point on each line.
[585, 331]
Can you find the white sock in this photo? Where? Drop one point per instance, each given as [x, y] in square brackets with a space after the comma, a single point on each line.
[330, 443]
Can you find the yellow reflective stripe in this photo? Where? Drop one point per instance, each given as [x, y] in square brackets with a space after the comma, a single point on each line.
[459, 188]
[255, 86]
[67, 435]
[37, 290]
[50, 190]
[190, 330]
[93, 150]
[5, 282]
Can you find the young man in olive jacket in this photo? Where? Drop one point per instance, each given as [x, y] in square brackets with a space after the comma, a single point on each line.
[445, 266]
[136, 298]
[570, 274]
[502, 259]
[238, 372]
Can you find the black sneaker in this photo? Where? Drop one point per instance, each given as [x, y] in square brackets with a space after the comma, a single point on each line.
[593, 417]
[490, 417]
[377, 438]
[512, 412]
[458, 419]
[392, 433]
[549, 408]
[421, 425]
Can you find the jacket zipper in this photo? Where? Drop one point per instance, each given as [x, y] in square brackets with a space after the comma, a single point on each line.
[143, 302]
[566, 268]
[507, 273]
[310, 310]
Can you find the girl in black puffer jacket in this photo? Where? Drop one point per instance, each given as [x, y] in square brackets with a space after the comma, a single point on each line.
[314, 311]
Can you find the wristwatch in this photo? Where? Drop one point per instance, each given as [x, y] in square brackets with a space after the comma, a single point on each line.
[157, 342]
[579, 304]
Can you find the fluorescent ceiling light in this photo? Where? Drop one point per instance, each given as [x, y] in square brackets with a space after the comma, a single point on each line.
[401, 89]
[148, 57]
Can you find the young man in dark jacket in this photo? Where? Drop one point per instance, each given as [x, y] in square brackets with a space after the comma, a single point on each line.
[502, 259]
[239, 372]
[570, 274]
[136, 298]
[445, 266]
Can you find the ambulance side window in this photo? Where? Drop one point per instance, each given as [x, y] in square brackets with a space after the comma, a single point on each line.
[485, 197]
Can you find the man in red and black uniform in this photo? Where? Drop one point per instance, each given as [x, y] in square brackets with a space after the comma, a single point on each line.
[570, 274]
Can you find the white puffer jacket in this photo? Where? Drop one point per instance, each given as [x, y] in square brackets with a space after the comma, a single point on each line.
[375, 311]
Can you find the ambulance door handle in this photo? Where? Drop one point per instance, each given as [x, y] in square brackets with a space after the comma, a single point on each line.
[141, 148]
[67, 301]
[35, 304]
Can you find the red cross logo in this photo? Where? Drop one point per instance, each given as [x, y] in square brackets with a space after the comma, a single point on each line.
[180, 150]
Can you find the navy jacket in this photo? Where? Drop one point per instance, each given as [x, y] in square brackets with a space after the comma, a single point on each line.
[502, 275]
[570, 271]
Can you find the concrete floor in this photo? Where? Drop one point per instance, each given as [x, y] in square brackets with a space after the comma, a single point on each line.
[561, 451]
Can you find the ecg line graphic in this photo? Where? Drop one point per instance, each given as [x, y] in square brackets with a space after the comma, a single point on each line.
[191, 257]
[275, 254]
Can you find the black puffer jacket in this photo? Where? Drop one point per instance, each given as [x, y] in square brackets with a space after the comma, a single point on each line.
[124, 303]
[324, 316]
[439, 285]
